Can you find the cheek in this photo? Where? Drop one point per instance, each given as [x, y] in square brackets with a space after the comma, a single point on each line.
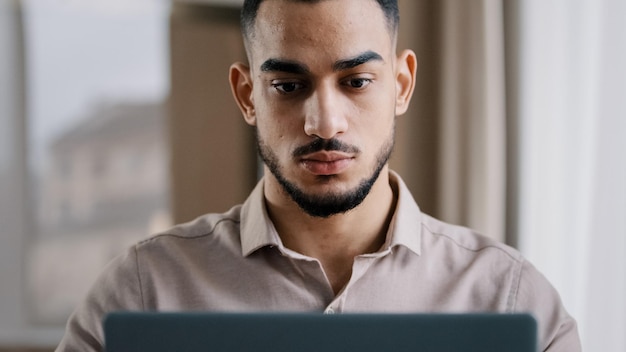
[279, 122]
[276, 135]
[375, 115]
[277, 128]
[374, 123]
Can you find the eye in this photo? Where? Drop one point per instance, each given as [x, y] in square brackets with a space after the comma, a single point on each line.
[287, 87]
[358, 83]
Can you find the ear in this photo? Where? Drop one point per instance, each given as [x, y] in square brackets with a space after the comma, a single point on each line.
[241, 87]
[406, 71]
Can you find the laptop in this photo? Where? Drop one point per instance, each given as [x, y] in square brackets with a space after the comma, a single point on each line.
[315, 332]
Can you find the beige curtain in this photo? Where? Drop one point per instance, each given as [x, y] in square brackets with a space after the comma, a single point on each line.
[451, 145]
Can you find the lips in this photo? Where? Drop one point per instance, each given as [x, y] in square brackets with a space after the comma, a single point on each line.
[326, 163]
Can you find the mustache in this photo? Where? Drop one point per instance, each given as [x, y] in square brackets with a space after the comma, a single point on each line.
[328, 145]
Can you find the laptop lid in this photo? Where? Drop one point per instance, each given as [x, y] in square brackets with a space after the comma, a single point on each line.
[315, 332]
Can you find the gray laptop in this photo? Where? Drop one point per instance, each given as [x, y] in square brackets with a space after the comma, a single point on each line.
[315, 332]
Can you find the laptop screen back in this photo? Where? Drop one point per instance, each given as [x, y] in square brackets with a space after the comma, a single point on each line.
[314, 332]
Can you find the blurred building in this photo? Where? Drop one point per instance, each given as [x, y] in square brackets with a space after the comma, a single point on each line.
[105, 186]
[107, 174]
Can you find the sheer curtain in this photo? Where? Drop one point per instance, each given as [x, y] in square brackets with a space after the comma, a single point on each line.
[572, 194]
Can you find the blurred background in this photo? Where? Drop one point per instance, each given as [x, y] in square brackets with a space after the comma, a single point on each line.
[116, 121]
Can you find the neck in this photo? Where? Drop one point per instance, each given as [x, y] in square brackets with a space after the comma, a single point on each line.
[335, 240]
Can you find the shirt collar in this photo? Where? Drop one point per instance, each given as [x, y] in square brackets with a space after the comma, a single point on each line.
[405, 228]
[257, 230]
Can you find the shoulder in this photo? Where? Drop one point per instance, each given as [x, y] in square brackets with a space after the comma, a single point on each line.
[208, 227]
[528, 291]
[165, 248]
[437, 234]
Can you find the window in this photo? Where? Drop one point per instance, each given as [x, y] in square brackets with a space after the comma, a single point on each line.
[97, 83]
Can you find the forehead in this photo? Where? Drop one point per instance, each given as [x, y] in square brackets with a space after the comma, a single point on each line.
[318, 30]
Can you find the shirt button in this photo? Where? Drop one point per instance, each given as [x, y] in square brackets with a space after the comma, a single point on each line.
[329, 310]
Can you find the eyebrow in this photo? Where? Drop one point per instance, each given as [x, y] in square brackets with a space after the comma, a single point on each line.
[287, 66]
[357, 60]
[277, 65]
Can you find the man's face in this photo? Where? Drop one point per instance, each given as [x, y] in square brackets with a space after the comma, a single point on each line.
[324, 95]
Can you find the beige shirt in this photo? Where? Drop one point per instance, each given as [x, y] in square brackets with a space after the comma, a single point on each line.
[236, 262]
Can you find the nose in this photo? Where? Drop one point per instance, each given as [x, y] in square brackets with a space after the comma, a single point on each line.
[325, 114]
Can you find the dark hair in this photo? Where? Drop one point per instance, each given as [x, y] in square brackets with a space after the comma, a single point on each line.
[251, 7]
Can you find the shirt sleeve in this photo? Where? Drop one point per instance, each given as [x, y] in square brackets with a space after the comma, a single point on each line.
[557, 330]
[117, 288]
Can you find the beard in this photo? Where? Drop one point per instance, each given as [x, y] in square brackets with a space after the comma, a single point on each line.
[329, 203]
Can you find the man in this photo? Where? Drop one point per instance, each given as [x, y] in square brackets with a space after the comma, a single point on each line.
[329, 228]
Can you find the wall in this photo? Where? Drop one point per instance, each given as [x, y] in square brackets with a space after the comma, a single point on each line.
[213, 156]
